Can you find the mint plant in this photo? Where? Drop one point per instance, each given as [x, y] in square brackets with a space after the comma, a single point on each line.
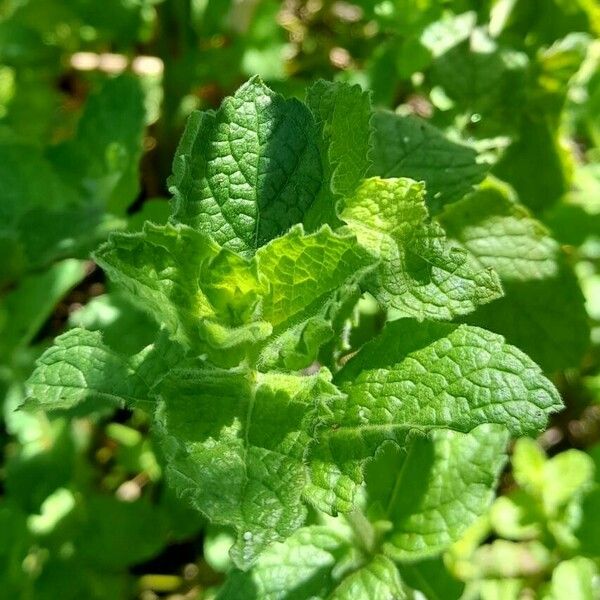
[269, 421]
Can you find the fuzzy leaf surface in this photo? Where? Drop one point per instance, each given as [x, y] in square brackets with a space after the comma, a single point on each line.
[422, 377]
[202, 294]
[421, 273]
[246, 173]
[310, 277]
[238, 456]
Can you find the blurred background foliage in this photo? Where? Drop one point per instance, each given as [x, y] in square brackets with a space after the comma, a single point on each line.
[93, 99]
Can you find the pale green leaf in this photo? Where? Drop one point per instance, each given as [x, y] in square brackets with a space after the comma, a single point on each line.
[517, 516]
[566, 476]
[551, 489]
[215, 301]
[420, 274]
[529, 461]
[574, 579]
[510, 560]
[312, 279]
[203, 295]
[304, 269]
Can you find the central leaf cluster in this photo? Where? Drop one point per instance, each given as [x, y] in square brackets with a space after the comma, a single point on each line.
[275, 234]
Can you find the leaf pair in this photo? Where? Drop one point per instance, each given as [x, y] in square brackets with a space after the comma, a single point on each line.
[250, 449]
[245, 174]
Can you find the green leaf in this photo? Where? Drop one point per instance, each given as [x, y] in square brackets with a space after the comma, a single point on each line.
[112, 313]
[542, 311]
[32, 302]
[485, 80]
[420, 274]
[555, 66]
[15, 543]
[214, 301]
[301, 567]
[434, 488]
[39, 217]
[302, 269]
[565, 477]
[80, 370]
[502, 234]
[310, 276]
[28, 175]
[574, 579]
[536, 145]
[517, 516]
[101, 161]
[239, 455]
[201, 294]
[431, 577]
[545, 318]
[411, 147]
[588, 530]
[422, 377]
[248, 172]
[529, 462]
[377, 579]
[45, 463]
[316, 562]
[54, 205]
[342, 114]
[510, 560]
[115, 533]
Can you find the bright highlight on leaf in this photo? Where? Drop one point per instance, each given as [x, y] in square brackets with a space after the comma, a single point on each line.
[420, 273]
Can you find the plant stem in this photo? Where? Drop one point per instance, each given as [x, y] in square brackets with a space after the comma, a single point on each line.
[363, 530]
